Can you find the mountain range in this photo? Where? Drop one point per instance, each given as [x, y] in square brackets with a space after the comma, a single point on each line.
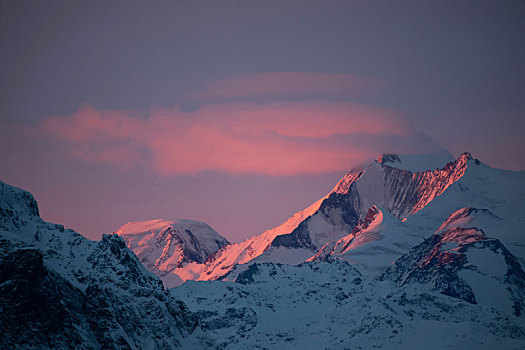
[410, 206]
[411, 251]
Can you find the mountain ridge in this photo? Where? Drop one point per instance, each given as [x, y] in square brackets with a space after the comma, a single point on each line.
[397, 190]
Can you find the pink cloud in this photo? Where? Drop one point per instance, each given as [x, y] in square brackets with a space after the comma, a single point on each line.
[289, 84]
[270, 138]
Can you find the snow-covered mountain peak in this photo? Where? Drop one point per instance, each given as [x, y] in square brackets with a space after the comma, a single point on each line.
[164, 245]
[376, 281]
[416, 162]
[137, 227]
[411, 162]
[399, 192]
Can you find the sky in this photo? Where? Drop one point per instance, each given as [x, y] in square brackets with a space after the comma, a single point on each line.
[240, 113]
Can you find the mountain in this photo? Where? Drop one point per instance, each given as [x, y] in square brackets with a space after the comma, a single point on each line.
[390, 258]
[165, 245]
[60, 290]
[398, 279]
[464, 263]
[420, 200]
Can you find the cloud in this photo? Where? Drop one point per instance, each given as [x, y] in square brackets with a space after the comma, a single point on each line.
[289, 85]
[279, 138]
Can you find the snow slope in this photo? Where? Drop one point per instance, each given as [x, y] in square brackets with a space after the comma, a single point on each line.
[374, 244]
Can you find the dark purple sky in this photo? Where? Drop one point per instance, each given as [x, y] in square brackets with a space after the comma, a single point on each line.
[239, 113]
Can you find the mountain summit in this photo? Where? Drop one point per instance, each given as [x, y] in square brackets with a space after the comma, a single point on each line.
[416, 162]
[416, 202]
[165, 245]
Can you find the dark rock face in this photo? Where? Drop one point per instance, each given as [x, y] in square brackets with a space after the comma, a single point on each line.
[124, 310]
[107, 262]
[246, 277]
[58, 290]
[347, 202]
[299, 238]
[38, 307]
[427, 264]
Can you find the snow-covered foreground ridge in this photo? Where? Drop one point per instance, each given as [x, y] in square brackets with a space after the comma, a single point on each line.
[59, 290]
[413, 203]
[448, 276]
